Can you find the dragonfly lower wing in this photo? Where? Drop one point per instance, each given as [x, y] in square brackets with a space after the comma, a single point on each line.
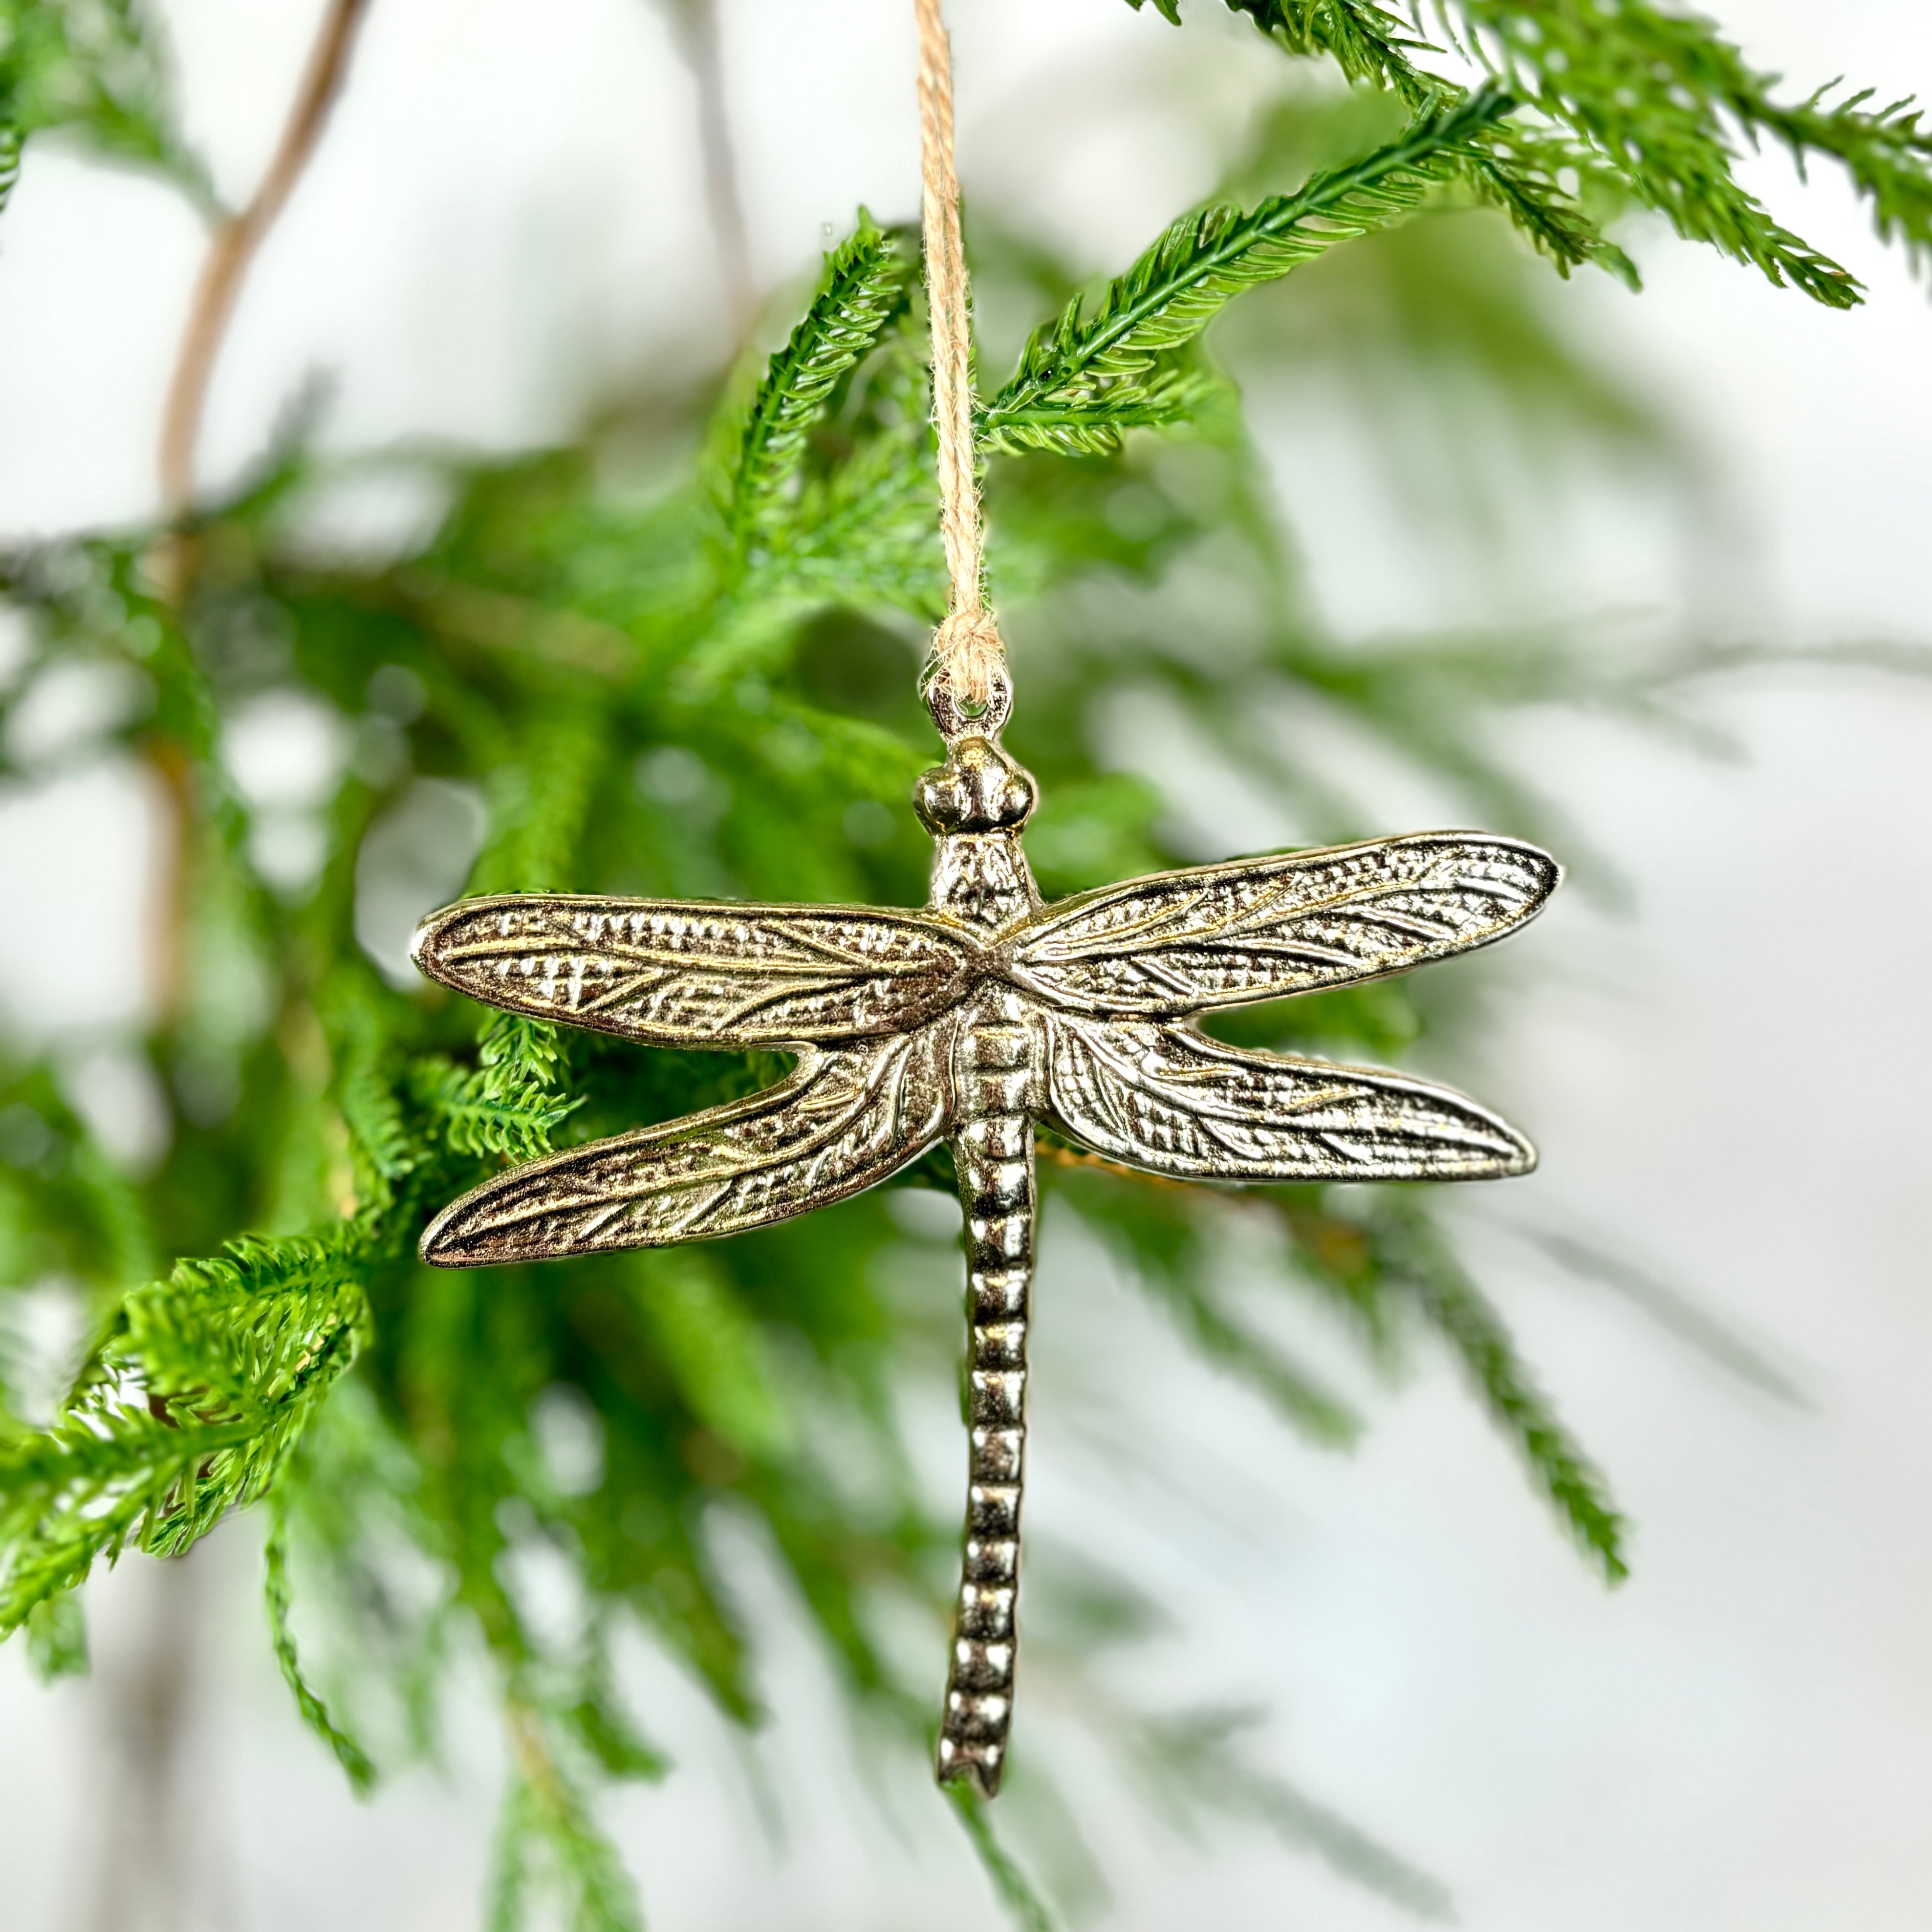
[841, 1122]
[1169, 1100]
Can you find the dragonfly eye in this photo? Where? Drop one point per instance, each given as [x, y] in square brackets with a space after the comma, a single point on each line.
[978, 789]
[940, 799]
[1015, 806]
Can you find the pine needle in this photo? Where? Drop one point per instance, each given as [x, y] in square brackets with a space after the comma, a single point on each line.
[1085, 378]
[1194, 1763]
[863, 286]
[277, 1598]
[1011, 1885]
[547, 1840]
[1419, 1258]
[191, 1407]
[1648, 97]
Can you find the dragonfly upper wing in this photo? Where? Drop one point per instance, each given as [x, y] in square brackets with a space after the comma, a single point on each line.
[687, 973]
[841, 1121]
[1221, 935]
[1168, 1099]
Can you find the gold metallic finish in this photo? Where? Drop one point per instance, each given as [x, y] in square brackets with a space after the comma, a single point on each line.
[974, 1019]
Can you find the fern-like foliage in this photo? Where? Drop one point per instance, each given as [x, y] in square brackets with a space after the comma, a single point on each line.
[863, 286]
[483, 1113]
[189, 1407]
[1416, 1258]
[1195, 1766]
[1650, 97]
[707, 688]
[1652, 89]
[277, 1598]
[512, 1101]
[1085, 378]
[1367, 42]
[95, 68]
[547, 1845]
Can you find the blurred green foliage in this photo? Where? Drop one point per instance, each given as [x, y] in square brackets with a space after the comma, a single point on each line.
[623, 667]
[94, 69]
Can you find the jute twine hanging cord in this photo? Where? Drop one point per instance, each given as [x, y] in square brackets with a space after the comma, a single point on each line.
[967, 648]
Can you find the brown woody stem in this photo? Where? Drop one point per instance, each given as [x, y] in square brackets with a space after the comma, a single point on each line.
[235, 245]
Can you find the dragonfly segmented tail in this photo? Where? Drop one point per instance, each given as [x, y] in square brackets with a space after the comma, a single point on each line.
[993, 1153]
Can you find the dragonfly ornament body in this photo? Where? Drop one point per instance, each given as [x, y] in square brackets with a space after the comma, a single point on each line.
[973, 1020]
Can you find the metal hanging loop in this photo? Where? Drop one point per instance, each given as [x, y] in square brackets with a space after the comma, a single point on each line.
[954, 717]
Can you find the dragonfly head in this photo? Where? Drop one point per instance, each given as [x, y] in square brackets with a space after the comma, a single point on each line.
[978, 789]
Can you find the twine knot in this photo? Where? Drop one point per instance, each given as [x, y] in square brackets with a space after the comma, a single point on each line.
[968, 650]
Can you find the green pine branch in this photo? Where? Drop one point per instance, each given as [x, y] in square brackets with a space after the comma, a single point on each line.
[189, 1408]
[1651, 90]
[863, 286]
[712, 1350]
[1654, 99]
[1367, 42]
[1418, 1258]
[57, 1638]
[863, 531]
[1194, 1762]
[1084, 377]
[521, 1065]
[1520, 169]
[95, 69]
[381, 1146]
[81, 1491]
[1888, 154]
[539, 801]
[603, 1730]
[486, 1111]
[547, 1844]
[1018, 1896]
[278, 1599]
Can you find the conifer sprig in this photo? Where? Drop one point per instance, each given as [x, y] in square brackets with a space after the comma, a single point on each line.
[1418, 1259]
[547, 1842]
[1084, 378]
[507, 1105]
[277, 1599]
[1367, 42]
[1655, 98]
[751, 633]
[1888, 153]
[863, 285]
[496, 1110]
[190, 1407]
[1194, 1761]
[96, 68]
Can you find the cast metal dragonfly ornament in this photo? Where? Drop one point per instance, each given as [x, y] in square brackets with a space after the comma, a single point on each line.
[973, 1020]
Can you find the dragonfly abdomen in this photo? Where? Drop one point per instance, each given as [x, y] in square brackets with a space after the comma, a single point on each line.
[992, 1150]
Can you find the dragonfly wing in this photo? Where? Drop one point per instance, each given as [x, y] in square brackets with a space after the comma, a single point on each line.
[1221, 935]
[689, 973]
[1165, 1099]
[841, 1121]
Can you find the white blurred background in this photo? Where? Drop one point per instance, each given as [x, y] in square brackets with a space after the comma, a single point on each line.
[505, 220]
